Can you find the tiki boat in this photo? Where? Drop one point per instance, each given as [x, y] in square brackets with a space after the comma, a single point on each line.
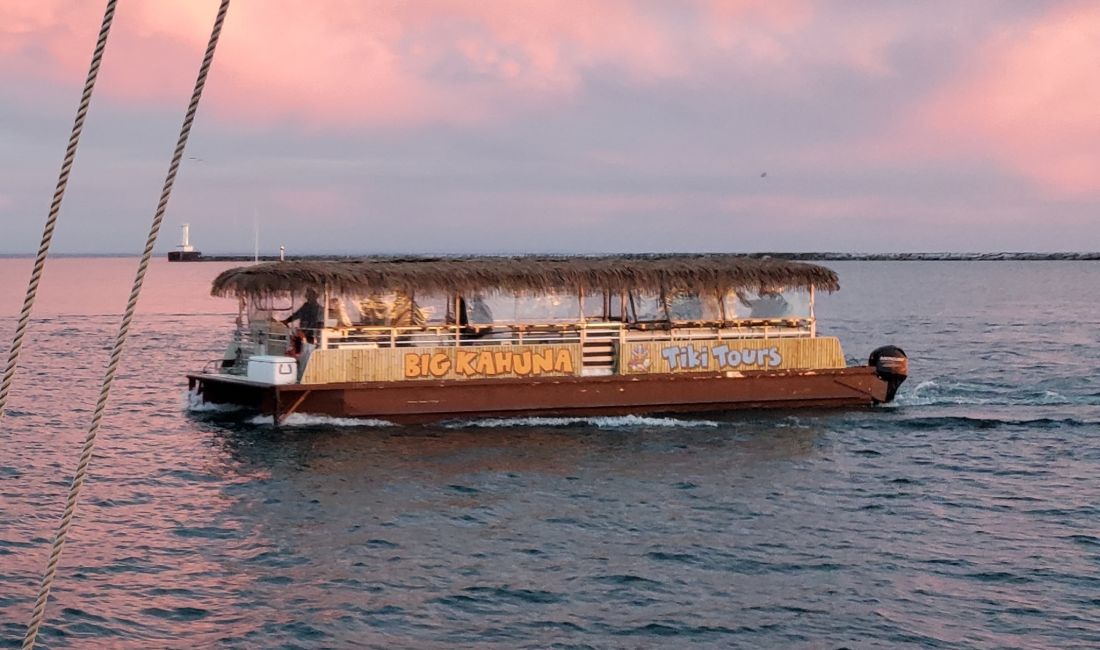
[423, 339]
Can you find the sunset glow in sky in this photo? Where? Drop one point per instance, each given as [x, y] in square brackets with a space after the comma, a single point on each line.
[562, 125]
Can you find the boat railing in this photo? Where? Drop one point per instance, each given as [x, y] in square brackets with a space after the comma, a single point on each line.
[571, 332]
[755, 329]
[449, 335]
[599, 340]
[247, 343]
[216, 366]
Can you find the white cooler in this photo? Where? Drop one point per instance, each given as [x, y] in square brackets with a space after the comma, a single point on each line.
[273, 370]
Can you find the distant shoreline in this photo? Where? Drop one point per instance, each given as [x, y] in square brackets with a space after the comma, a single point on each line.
[799, 256]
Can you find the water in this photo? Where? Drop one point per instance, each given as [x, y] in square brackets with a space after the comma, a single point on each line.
[964, 516]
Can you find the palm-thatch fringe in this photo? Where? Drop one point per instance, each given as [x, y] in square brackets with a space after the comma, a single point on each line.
[450, 275]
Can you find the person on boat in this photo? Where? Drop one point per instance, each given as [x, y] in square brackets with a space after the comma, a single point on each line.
[478, 311]
[685, 306]
[769, 303]
[374, 311]
[336, 306]
[406, 312]
[475, 318]
[310, 317]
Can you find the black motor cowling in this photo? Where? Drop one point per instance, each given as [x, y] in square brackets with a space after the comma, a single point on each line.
[891, 365]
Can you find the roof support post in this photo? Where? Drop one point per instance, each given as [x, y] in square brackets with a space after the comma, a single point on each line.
[813, 314]
[456, 303]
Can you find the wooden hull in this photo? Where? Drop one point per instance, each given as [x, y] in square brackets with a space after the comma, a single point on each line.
[412, 402]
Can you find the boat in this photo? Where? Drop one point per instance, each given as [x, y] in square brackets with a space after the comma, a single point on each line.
[423, 339]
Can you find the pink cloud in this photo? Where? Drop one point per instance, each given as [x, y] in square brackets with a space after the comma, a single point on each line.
[333, 62]
[1026, 100]
[725, 22]
[342, 62]
[1029, 102]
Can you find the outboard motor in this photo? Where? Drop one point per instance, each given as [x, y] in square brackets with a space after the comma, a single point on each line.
[892, 366]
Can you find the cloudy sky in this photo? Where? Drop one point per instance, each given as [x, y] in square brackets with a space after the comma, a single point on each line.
[562, 125]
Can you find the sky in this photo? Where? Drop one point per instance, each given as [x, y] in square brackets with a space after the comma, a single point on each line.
[568, 126]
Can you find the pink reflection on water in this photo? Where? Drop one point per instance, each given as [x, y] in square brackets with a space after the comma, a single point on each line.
[96, 286]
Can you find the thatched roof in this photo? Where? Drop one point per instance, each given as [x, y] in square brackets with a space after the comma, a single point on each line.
[707, 272]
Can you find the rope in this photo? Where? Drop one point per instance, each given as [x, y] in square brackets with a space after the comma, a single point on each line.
[55, 206]
[116, 352]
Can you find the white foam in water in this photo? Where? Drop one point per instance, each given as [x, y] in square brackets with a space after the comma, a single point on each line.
[607, 422]
[922, 394]
[307, 420]
[930, 392]
[192, 402]
[1051, 397]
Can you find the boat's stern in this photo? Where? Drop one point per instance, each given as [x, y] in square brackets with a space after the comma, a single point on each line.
[231, 390]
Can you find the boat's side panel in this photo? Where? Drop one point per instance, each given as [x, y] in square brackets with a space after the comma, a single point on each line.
[721, 355]
[629, 357]
[425, 401]
[444, 363]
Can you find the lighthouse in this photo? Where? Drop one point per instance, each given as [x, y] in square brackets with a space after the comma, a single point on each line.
[185, 252]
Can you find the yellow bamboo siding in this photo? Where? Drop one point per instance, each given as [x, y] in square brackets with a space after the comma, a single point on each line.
[467, 362]
[731, 355]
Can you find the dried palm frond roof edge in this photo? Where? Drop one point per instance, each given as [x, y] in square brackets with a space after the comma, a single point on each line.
[669, 272]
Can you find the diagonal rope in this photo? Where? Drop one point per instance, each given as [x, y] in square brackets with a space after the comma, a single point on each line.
[55, 206]
[120, 340]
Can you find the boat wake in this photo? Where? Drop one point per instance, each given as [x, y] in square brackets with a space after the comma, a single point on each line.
[600, 422]
[307, 420]
[192, 403]
[935, 393]
[998, 406]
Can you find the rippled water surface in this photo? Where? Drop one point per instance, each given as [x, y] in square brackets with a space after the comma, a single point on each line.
[967, 515]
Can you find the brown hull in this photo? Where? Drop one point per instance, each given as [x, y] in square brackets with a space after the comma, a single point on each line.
[411, 402]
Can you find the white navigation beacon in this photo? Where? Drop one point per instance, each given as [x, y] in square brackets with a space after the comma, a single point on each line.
[185, 236]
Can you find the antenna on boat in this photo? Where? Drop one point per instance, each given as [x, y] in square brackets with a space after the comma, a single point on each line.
[255, 235]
